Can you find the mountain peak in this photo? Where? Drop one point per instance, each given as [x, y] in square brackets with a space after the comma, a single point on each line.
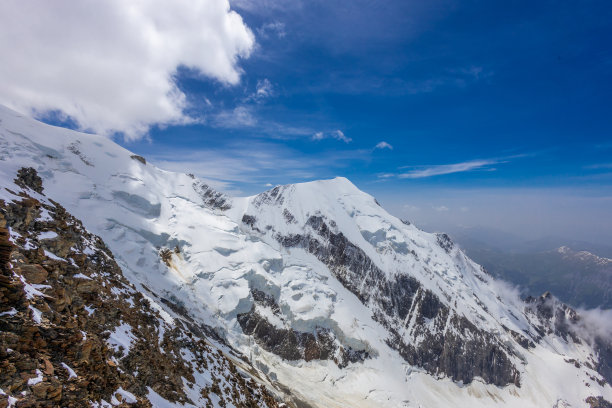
[317, 284]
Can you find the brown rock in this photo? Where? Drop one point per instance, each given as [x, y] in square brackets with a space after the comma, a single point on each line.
[87, 286]
[34, 273]
[79, 259]
[28, 177]
[40, 389]
[16, 384]
[54, 392]
[86, 350]
[48, 370]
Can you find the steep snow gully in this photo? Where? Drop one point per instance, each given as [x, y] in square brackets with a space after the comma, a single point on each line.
[326, 293]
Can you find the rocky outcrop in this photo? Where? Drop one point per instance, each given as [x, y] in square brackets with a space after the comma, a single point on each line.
[212, 198]
[553, 317]
[74, 331]
[598, 402]
[139, 159]
[320, 344]
[27, 177]
[445, 242]
[603, 347]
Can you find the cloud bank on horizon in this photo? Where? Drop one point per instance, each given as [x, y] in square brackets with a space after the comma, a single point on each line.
[110, 65]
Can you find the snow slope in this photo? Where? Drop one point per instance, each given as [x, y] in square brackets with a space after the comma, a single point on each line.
[173, 235]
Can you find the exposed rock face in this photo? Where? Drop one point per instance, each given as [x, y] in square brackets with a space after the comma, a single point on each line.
[598, 402]
[321, 344]
[74, 331]
[445, 242]
[424, 330]
[555, 317]
[27, 177]
[604, 366]
[212, 198]
[139, 158]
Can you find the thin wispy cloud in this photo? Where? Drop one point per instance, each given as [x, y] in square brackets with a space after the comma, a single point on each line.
[247, 116]
[383, 145]
[599, 166]
[604, 145]
[339, 135]
[442, 169]
[263, 90]
[239, 167]
[275, 28]
[336, 134]
[239, 117]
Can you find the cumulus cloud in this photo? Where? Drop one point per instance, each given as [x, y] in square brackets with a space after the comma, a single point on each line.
[336, 134]
[440, 208]
[110, 65]
[383, 145]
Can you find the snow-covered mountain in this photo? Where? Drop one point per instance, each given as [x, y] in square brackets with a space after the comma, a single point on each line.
[333, 299]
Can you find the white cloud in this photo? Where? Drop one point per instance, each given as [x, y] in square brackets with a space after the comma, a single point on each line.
[240, 167]
[266, 7]
[336, 134]
[339, 135]
[230, 169]
[594, 323]
[441, 169]
[276, 27]
[264, 89]
[239, 117]
[383, 145]
[440, 208]
[109, 64]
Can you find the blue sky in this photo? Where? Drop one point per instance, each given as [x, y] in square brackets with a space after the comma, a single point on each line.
[511, 98]
[446, 111]
[519, 94]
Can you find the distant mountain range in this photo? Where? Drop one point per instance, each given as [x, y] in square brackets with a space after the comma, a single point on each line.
[578, 272]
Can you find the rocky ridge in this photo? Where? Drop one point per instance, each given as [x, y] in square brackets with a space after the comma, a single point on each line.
[74, 332]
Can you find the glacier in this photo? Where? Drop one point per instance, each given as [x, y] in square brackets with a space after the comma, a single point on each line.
[325, 292]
